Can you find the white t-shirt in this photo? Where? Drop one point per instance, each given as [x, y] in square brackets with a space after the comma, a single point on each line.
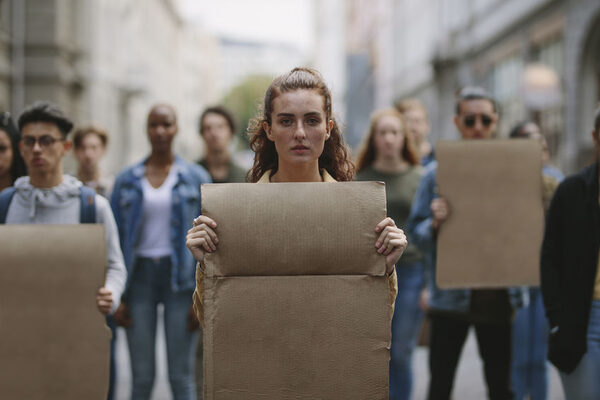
[155, 232]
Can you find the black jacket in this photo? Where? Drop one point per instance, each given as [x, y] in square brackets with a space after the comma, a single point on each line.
[569, 263]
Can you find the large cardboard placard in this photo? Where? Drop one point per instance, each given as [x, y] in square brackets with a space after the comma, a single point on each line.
[54, 343]
[296, 299]
[493, 235]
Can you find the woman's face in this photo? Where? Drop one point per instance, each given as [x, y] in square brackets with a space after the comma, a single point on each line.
[162, 128]
[388, 138]
[6, 153]
[299, 126]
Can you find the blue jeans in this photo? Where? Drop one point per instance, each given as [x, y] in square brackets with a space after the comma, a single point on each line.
[530, 347]
[406, 324]
[584, 382]
[151, 285]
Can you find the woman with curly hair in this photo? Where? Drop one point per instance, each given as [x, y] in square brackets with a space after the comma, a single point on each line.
[388, 154]
[296, 139]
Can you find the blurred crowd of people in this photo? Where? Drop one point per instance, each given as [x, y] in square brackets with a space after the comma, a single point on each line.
[150, 208]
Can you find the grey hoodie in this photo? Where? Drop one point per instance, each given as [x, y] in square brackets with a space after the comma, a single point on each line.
[61, 205]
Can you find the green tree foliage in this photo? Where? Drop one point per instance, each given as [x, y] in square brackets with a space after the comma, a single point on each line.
[244, 101]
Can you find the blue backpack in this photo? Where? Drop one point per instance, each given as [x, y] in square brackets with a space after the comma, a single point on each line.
[87, 211]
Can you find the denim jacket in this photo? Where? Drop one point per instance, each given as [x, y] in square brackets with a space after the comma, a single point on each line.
[127, 202]
[419, 226]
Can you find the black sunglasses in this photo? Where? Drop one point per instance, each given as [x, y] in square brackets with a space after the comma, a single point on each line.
[470, 120]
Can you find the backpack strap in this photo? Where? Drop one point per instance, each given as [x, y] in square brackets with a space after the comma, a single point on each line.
[5, 199]
[87, 212]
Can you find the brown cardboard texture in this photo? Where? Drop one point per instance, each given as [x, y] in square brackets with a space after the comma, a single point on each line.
[493, 235]
[54, 341]
[296, 299]
[295, 228]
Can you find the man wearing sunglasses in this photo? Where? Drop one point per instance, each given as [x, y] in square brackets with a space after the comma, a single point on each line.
[47, 196]
[453, 312]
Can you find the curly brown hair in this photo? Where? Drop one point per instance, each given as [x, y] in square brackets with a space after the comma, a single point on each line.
[367, 155]
[335, 157]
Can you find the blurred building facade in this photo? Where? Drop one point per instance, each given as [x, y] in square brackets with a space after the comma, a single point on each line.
[500, 44]
[354, 51]
[107, 62]
[537, 57]
[329, 51]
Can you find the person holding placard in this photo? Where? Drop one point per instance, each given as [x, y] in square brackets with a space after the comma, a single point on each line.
[47, 196]
[453, 312]
[296, 139]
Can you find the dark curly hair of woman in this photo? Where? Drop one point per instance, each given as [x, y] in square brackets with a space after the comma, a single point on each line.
[335, 157]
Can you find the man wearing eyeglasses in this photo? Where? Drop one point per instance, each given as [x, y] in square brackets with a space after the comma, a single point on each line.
[47, 196]
[453, 312]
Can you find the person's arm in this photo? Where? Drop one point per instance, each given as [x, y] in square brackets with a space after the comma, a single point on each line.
[421, 227]
[420, 220]
[116, 273]
[552, 258]
[115, 207]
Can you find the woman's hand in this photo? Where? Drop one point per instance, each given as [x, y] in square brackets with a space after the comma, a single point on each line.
[201, 238]
[391, 242]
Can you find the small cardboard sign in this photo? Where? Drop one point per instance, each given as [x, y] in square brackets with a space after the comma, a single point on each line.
[493, 235]
[54, 342]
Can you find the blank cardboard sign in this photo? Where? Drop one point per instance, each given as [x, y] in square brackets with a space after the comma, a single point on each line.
[276, 328]
[317, 228]
[54, 343]
[493, 236]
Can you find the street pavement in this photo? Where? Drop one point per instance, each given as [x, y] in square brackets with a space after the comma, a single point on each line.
[469, 384]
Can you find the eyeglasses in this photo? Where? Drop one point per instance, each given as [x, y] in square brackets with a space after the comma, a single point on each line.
[470, 120]
[44, 141]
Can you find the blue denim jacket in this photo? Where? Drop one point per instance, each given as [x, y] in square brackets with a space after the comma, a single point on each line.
[127, 202]
[419, 226]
